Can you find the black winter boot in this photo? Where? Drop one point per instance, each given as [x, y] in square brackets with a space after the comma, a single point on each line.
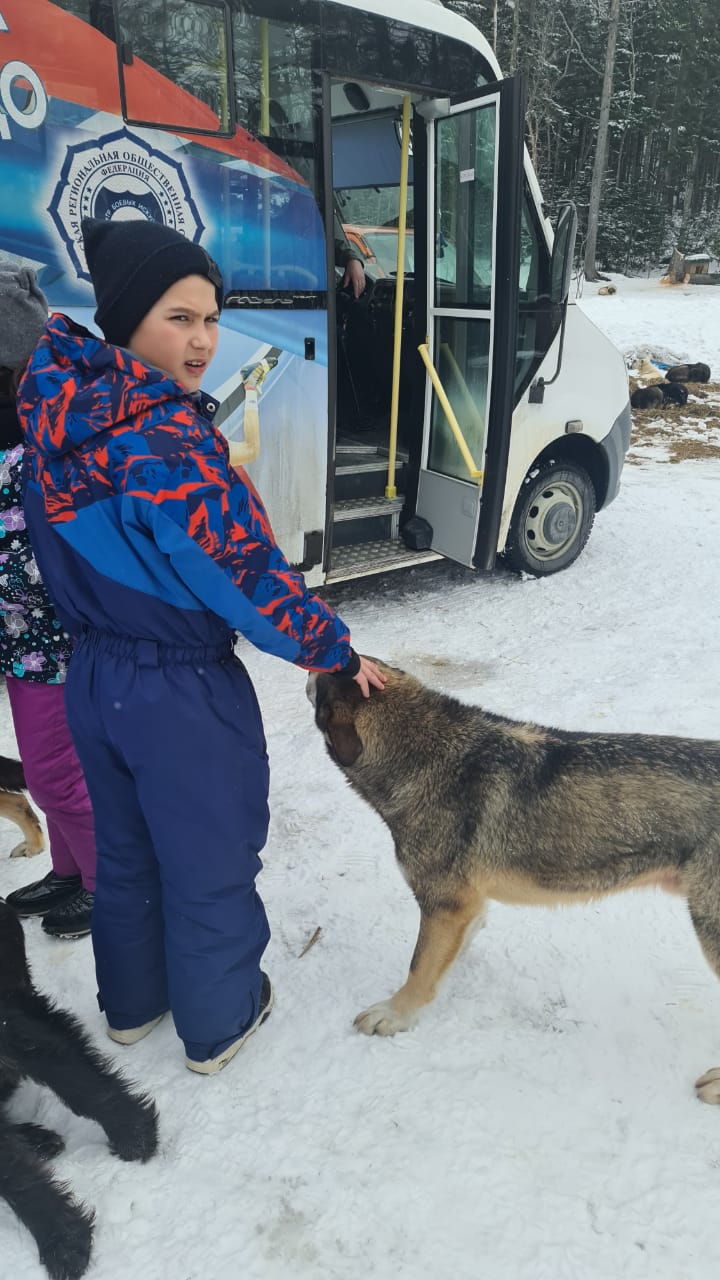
[72, 918]
[42, 895]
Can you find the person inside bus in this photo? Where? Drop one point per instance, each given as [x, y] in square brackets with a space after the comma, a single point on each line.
[349, 261]
[157, 554]
[35, 651]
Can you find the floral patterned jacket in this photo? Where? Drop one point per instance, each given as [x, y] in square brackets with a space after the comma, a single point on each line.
[33, 644]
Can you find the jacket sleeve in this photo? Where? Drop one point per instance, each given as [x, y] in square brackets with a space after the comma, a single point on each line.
[214, 529]
[344, 251]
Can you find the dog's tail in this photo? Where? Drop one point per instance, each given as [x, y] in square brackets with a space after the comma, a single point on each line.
[12, 777]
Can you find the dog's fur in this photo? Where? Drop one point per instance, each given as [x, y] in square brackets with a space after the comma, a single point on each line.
[676, 392]
[483, 807]
[649, 372]
[647, 398]
[45, 1044]
[689, 373]
[14, 806]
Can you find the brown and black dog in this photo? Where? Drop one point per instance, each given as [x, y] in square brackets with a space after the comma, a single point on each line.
[481, 807]
[14, 805]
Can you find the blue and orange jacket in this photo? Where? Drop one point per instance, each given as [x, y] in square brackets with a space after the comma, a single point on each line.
[140, 525]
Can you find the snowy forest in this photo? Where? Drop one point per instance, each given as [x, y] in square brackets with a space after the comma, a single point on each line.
[623, 117]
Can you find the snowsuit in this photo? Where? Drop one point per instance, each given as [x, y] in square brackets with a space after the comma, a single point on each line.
[34, 653]
[157, 552]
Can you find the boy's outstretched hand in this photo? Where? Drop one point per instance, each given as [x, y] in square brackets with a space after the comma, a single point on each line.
[369, 674]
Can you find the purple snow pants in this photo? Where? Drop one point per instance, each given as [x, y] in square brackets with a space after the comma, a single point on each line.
[54, 776]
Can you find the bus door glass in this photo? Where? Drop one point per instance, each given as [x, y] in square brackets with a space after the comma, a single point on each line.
[466, 205]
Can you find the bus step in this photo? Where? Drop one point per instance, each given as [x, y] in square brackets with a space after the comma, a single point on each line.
[347, 463]
[363, 475]
[374, 557]
[366, 520]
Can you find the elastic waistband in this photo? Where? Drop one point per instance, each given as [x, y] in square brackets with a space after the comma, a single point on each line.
[152, 653]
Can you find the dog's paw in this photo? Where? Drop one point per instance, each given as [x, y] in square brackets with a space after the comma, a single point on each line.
[382, 1020]
[26, 850]
[45, 1142]
[66, 1246]
[136, 1138]
[708, 1086]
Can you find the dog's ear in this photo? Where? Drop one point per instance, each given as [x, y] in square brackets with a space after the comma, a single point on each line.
[334, 718]
[343, 741]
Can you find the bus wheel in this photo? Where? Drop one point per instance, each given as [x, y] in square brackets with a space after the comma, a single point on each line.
[552, 519]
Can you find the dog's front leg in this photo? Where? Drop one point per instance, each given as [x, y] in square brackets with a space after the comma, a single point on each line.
[17, 809]
[62, 1227]
[52, 1048]
[442, 934]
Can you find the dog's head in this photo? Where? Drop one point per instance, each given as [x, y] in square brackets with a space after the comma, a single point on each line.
[343, 715]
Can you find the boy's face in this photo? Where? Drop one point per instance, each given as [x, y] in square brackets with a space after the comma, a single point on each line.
[180, 333]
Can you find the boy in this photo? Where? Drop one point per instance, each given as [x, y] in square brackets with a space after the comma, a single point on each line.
[157, 553]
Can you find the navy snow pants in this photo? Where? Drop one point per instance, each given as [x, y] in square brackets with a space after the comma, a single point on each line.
[172, 747]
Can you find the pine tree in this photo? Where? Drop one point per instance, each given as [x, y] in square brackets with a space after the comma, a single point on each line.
[661, 178]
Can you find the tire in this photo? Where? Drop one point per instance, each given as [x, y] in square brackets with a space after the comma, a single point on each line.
[553, 516]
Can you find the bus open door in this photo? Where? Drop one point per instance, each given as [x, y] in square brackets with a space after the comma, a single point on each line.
[475, 185]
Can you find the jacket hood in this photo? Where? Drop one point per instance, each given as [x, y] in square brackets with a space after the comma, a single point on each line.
[76, 386]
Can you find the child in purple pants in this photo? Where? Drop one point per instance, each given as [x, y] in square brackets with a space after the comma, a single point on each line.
[34, 652]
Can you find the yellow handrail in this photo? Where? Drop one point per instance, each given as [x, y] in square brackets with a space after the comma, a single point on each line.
[475, 473]
[390, 488]
[248, 449]
[471, 409]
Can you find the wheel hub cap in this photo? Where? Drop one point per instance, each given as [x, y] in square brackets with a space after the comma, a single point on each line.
[553, 520]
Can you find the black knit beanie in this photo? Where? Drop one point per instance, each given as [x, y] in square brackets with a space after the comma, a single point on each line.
[134, 263]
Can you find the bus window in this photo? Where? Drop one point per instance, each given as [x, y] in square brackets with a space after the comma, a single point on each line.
[366, 176]
[534, 256]
[465, 203]
[276, 97]
[97, 13]
[393, 52]
[187, 42]
[464, 231]
[538, 319]
[276, 226]
[462, 358]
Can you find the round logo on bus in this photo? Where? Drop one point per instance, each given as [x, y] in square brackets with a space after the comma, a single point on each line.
[120, 176]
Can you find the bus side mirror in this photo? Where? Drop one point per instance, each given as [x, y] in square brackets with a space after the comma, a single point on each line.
[561, 265]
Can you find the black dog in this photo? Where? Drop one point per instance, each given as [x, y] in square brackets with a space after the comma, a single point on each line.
[647, 398]
[46, 1044]
[689, 373]
[675, 392]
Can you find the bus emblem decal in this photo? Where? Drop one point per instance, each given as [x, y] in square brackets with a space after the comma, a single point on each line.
[31, 112]
[120, 176]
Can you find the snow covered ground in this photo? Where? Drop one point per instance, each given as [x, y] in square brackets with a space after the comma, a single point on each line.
[674, 324]
[540, 1123]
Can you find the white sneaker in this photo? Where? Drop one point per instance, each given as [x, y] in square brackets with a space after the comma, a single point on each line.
[131, 1035]
[211, 1065]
